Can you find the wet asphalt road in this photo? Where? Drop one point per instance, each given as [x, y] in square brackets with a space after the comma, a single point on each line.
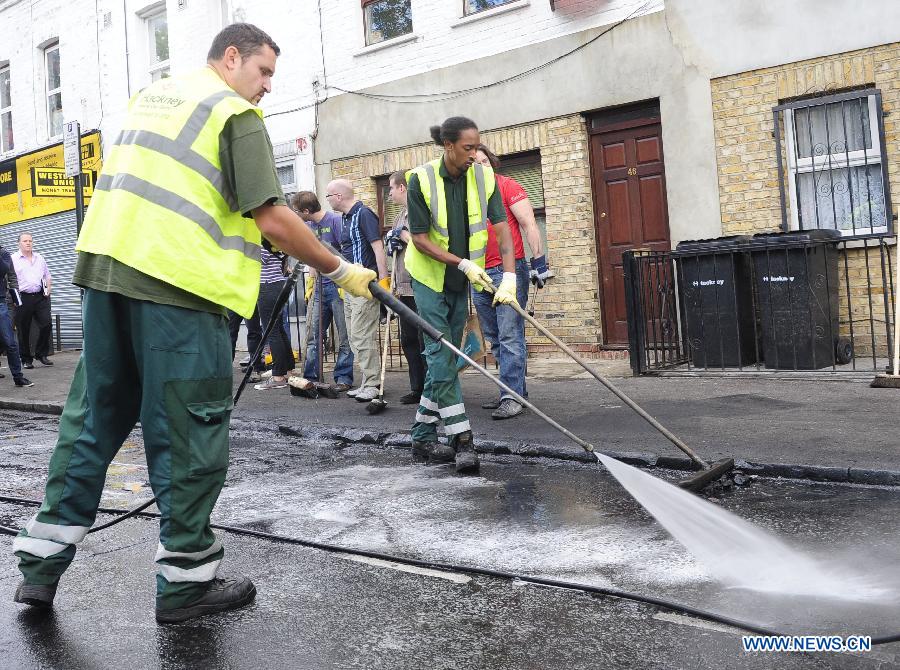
[324, 610]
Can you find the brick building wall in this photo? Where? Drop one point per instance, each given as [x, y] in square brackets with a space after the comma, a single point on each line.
[748, 163]
[569, 306]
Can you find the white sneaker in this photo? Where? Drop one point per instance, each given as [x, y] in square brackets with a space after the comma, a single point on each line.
[367, 394]
[354, 392]
[271, 383]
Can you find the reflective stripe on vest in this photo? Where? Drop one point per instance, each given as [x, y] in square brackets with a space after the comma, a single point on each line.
[480, 185]
[162, 204]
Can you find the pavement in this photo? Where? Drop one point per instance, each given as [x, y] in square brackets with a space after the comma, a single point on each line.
[823, 427]
[531, 517]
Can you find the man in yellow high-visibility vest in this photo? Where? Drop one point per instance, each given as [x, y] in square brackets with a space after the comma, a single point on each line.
[450, 200]
[172, 238]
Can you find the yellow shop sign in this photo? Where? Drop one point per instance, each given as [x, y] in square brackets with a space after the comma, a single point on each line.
[35, 184]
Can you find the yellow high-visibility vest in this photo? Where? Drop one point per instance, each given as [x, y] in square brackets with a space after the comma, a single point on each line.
[480, 185]
[162, 205]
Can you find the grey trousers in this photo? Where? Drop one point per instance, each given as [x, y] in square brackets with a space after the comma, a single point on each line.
[362, 318]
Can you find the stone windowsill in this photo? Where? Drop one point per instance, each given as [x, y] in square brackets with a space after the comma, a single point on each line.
[387, 44]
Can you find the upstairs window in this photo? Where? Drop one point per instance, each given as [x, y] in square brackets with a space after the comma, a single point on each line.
[475, 6]
[386, 19]
[54, 91]
[835, 163]
[158, 36]
[6, 131]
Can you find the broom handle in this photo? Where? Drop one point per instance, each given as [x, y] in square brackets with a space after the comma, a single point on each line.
[387, 328]
[897, 312]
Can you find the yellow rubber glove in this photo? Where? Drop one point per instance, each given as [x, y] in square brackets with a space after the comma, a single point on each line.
[385, 283]
[353, 278]
[506, 292]
[341, 293]
[479, 278]
[310, 283]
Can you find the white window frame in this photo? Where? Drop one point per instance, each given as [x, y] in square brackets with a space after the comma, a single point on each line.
[5, 69]
[466, 12]
[285, 155]
[49, 93]
[828, 162]
[398, 39]
[163, 67]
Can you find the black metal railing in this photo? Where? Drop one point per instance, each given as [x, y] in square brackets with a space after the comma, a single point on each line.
[767, 302]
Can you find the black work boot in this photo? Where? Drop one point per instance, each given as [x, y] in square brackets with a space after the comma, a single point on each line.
[36, 595]
[440, 453]
[466, 458]
[420, 450]
[222, 594]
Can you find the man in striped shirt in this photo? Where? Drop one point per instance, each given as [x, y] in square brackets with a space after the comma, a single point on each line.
[361, 244]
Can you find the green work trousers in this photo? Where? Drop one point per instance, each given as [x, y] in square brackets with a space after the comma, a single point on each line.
[441, 400]
[170, 368]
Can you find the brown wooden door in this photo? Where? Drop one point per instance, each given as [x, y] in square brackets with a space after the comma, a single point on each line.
[630, 210]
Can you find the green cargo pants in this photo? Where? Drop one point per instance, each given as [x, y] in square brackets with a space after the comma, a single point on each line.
[170, 368]
[441, 400]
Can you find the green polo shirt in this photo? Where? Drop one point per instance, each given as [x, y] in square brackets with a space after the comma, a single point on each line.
[246, 156]
[457, 218]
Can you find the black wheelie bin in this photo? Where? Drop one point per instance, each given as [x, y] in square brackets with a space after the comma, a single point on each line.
[797, 293]
[715, 284]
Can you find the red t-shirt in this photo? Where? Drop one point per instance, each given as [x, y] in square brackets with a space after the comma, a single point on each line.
[511, 192]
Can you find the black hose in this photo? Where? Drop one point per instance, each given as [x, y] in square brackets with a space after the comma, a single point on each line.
[280, 302]
[670, 605]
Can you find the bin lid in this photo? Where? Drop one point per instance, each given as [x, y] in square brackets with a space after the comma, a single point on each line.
[713, 245]
[798, 237]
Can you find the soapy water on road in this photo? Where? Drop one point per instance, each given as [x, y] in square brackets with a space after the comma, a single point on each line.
[740, 554]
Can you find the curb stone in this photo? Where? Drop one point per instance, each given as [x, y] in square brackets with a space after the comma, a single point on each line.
[401, 440]
[32, 406]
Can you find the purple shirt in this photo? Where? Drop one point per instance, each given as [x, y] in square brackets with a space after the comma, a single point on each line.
[30, 273]
[328, 230]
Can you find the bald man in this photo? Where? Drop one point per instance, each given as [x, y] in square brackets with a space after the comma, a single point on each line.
[360, 244]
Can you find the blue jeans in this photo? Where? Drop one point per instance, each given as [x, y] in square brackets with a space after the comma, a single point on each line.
[9, 341]
[505, 329]
[334, 309]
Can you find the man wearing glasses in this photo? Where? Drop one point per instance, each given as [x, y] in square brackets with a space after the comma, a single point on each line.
[361, 244]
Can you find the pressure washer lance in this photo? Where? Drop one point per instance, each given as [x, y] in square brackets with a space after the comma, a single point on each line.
[708, 472]
[377, 405]
[392, 302]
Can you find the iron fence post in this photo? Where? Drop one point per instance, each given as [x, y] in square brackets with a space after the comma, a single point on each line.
[633, 313]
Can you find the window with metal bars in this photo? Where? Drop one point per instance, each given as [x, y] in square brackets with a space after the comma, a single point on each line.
[836, 177]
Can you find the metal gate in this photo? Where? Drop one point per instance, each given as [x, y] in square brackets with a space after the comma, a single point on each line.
[54, 239]
[804, 308]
